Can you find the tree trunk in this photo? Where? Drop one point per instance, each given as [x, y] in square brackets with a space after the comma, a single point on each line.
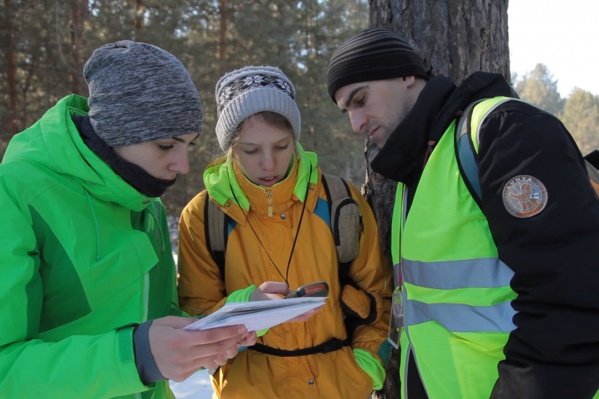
[222, 37]
[455, 38]
[11, 70]
[78, 19]
[139, 20]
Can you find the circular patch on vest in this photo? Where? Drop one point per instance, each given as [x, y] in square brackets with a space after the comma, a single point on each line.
[524, 196]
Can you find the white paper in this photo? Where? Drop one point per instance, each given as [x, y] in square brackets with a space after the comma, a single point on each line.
[258, 315]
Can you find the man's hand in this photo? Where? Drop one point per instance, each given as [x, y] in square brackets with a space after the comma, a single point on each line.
[179, 353]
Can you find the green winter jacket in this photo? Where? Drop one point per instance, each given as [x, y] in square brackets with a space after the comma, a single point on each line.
[84, 257]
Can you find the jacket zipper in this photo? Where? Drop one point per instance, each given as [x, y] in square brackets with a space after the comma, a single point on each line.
[269, 202]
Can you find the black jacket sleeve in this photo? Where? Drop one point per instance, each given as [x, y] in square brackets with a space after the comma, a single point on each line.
[554, 350]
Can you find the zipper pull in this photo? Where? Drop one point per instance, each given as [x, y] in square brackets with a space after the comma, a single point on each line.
[269, 200]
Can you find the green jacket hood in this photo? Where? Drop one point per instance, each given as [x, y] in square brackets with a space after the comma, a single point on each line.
[54, 143]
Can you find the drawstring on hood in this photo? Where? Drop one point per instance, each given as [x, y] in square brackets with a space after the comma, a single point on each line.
[162, 245]
[91, 206]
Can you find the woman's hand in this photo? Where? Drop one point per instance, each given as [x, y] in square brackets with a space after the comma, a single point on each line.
[273, 290]
[179, 353]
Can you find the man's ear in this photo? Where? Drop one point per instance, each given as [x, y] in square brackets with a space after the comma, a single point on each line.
[410, 80]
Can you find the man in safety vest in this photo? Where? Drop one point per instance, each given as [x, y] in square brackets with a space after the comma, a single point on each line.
[499, 294]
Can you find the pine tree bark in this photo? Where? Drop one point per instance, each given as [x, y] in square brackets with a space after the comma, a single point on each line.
[11, 69]
[79, 16]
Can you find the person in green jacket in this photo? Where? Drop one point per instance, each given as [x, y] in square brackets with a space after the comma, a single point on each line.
[88, 297]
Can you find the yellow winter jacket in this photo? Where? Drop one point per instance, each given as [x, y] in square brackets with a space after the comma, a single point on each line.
[350, 372]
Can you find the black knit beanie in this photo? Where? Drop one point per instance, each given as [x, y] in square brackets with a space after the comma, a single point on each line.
[373, 54]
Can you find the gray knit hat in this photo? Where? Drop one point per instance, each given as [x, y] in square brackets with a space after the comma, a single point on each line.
[373, 54]
[139, 92]
[249, 90]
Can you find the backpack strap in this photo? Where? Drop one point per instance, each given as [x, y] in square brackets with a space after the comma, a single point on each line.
[466, 153]
[216, 233]
[331, 345]
[467, 156]
[335, 187]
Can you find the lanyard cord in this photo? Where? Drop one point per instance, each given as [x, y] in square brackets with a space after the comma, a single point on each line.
[299, 224]
[429, 149]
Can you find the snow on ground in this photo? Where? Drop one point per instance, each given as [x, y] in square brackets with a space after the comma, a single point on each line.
[198, 385]
[195, 387]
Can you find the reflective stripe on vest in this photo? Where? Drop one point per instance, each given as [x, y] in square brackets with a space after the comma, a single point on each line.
[455, 275]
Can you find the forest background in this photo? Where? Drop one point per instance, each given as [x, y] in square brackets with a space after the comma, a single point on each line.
[44, 45]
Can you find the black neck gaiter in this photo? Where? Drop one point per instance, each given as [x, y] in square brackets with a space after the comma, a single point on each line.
[141, 180]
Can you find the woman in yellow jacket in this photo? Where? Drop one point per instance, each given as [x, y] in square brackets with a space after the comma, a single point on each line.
[272, 191]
